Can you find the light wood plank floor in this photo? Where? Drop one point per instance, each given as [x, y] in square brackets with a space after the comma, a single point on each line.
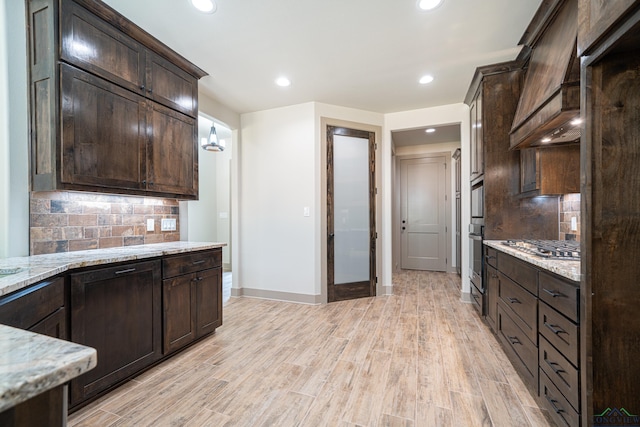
[419, 357]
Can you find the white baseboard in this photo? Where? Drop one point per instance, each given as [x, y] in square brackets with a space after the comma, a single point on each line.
[277, 295]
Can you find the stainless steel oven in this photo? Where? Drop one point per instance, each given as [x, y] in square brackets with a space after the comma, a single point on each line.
[476, 265]
[477, 203]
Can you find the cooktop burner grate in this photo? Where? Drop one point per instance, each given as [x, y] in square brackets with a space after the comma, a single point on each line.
[550, 249]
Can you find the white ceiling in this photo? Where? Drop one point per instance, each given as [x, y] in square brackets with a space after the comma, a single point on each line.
[355, 53]
[442, 134]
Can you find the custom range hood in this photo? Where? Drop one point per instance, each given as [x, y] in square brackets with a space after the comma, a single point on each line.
[549, 108]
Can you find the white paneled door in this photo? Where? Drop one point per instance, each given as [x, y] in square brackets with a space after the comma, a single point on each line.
[423, 214]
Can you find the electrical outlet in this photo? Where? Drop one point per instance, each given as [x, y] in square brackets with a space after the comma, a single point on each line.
[574, 224]
[168, 224]
[151, 224]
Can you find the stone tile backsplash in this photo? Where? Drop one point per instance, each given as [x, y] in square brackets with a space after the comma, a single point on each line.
[569, 208]
[73, 221]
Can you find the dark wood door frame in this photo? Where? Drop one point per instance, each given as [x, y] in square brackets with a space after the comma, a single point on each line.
[356, 289]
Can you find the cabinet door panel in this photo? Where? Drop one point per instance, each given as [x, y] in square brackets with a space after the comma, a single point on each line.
[103, 132]
[25, 308]
[117, 311]
[209, 301]
[92, 44]
[493, 288]
[172, 153]
[529, 170]
[179, 307]
[474, 144]
[171, 86]
[55, 325]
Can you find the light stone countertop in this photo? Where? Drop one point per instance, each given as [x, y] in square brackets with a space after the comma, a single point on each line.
[31, 364]
[32, 269]
[567, 269]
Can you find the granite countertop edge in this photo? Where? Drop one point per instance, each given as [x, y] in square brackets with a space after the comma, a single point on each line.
[35, 268]
[32, 364]
[567, 269]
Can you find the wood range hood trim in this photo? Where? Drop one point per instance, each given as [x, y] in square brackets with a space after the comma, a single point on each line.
[550, 99]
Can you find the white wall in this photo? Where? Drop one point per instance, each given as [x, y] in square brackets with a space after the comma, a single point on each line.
[277, 244]
[448, 147]
[14, 136]
[326, 114]
[446, 114]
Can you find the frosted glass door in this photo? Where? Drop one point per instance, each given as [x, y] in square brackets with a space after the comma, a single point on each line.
[351, 209]
[351, 249]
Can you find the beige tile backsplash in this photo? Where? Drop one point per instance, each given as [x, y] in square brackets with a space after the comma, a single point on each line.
[72, 221]
[569, 208]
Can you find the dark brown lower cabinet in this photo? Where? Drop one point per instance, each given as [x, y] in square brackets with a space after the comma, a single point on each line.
[41, 309]
[492, 289]
[537, 322]
[116, 310]
[192, 303]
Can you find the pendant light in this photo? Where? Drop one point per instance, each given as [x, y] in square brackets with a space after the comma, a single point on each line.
[212, 143]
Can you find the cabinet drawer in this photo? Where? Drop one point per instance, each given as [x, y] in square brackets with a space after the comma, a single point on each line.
[522, 305]
[29, 306]
[561, 411]
[525, 351]
[559, 294]
[194, 261]
[562, 373]
[491, 256]
[519, 271]
[560, 332]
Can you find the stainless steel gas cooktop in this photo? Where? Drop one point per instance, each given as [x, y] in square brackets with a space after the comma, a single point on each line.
[551, 249]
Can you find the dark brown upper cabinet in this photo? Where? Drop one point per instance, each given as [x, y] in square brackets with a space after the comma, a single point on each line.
[550, 171]
[477, 141]
[492, 98]
[112, 109]
[600, 18]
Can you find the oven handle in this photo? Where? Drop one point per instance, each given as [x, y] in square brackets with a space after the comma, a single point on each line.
[475, 236]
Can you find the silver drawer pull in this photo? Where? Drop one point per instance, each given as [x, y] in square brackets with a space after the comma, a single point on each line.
[199, 262]
[513, 300]
[555, 370]
[554, 294]
[128, 270]
[555, 328]
[553, 405]
[514, 340]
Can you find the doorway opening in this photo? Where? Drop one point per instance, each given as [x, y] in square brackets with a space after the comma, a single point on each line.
[424, 227]
[208, 219]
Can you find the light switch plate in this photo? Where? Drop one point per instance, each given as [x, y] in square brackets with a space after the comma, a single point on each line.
[306, 211]
[168, 224]
[574, 224]
[151, 224]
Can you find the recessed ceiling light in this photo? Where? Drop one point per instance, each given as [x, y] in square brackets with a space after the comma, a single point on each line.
[426, 79]
[205, 6]
[545, 140]
[430, 130]
[429, 4]
[576, 122]
[283, 82]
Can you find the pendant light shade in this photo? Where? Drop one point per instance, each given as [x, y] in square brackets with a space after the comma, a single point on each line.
[212, 143]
